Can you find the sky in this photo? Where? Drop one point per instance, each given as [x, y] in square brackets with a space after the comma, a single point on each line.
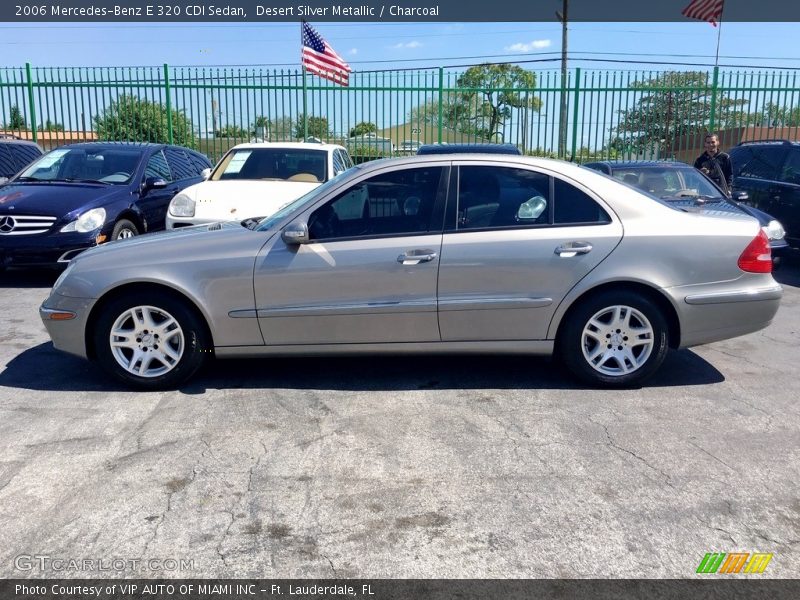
[379, 46]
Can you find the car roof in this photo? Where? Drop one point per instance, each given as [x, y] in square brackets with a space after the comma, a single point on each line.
[8, 139]
[628, 164]
[470, 148]
[288, 145]
[142, 145]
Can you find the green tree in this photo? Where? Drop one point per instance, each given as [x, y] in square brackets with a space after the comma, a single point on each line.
[50, 126]
[231, 131]
[773, 115]
[16, 120]
[490, 94]
[281, 129]
[317, 127]
[363, 128]
[672, 105]
[129, 118]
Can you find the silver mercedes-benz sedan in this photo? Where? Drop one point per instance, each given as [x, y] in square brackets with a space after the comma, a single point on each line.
[467, 253]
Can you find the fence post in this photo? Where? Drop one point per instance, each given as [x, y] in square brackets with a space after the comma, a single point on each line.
[31, 102]
[169, 104]
[575, 112]
[714, 82]
[441, 100]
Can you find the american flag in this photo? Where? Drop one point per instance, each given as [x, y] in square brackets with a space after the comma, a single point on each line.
[705, 10]
[319, 58]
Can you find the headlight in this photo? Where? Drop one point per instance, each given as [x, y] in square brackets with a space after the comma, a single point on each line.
[88, 221]
[774, 230]
[181, 206]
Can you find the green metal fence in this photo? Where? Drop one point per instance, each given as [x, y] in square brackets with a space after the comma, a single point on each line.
[610, 114]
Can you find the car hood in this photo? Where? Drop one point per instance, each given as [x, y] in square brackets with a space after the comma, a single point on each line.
[134, 258]
[54, 199]
[238, 200]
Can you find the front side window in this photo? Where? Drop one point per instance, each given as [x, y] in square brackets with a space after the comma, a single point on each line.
[276, 164]
[502, 197]
[179, 164]
[790, 173]
[395, 203]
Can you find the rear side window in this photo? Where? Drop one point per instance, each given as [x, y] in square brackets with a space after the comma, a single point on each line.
[199, 162]
[24, 154]
[7, 165]
[790, 173]
[502, 197]
[573, 206]
[179, 164]
[157, 167]
[758, 162]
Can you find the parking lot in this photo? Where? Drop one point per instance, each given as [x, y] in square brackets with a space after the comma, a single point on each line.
[397, 467]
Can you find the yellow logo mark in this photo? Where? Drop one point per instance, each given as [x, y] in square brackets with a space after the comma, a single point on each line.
[758, 563]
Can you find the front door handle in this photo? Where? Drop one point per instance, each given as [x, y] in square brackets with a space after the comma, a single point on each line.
[414, 257]
[570, 249]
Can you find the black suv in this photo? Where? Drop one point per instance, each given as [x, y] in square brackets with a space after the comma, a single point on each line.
[15, 155]
[769, 171]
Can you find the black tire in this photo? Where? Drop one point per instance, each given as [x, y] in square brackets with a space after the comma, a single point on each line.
[618, 361]
[186, 350]
[124, 229]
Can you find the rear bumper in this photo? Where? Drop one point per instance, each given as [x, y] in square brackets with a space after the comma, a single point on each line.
[713, 316]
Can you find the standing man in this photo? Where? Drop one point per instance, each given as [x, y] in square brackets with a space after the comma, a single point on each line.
[715, 164]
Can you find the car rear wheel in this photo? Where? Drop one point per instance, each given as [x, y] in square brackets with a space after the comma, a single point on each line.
[615, 339]
[123, 229]
[151, 341]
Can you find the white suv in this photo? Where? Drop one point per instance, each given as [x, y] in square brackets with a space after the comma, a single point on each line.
[255, 180]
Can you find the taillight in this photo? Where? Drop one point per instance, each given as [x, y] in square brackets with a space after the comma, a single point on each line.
[757, 257]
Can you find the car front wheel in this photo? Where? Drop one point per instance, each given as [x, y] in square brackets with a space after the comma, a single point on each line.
[123, 229]
[615, 339]
[150, 341]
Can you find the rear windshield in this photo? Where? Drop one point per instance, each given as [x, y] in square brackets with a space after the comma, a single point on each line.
[276, 164]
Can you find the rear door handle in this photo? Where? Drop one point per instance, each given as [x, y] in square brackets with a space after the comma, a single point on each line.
[414, 257]
[570, 249]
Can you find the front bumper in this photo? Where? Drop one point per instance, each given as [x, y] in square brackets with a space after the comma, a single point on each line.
[68, 334]
[50, 249]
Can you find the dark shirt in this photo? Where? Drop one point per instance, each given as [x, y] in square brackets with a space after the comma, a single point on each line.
[717, 167]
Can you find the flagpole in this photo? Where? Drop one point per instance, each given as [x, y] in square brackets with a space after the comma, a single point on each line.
[719, 33]
[305, 88]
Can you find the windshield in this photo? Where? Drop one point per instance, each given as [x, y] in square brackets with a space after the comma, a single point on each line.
[302, 201]
[97, 165]
[666, 183]
[276, 164]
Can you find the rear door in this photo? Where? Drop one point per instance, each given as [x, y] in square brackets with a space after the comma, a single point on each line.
[516, 240]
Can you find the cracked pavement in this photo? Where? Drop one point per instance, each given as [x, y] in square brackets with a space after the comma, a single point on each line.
[387, 467]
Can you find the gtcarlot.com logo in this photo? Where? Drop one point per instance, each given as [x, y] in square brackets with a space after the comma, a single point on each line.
[41, 562]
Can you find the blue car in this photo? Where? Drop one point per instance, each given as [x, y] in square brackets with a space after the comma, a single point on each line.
[683, 185]
[82, 195]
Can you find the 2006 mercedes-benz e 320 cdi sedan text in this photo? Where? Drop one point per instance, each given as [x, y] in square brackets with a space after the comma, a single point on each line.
[469, 253]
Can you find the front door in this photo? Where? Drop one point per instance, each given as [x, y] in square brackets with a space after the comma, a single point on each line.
[368, 274]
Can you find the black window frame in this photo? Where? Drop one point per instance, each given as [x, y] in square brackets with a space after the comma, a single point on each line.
[437, 212]
[451, 210]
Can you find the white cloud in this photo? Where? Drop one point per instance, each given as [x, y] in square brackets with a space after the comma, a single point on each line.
[353, 50]
[534, 45]
[414, 44]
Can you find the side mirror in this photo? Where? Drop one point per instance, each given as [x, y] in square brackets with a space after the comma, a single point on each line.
[295, 233]
[741, 196]
[154, 183]
[205, 174]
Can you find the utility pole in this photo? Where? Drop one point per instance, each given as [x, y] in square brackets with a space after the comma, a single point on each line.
[562, 114]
